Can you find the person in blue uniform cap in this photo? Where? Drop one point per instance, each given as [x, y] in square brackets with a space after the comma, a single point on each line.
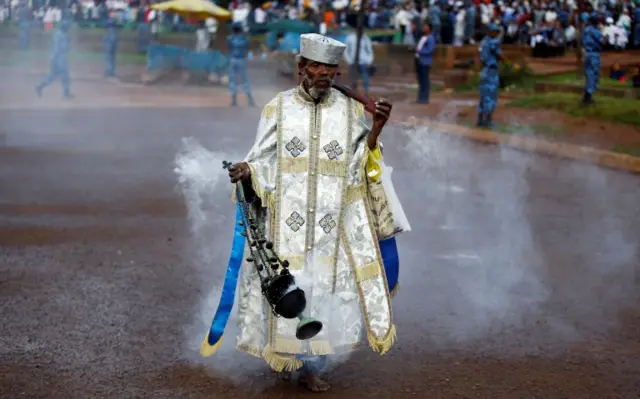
[490, 55]
[59, 64]
[592, 43]
[110, 46]
[238, 45]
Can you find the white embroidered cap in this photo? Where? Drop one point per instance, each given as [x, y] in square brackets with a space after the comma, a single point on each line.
[320, 48]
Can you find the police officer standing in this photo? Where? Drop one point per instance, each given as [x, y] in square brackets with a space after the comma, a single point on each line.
[25, 25]
[59, 66]
[592, 43]
[238, 46]
[490, 55]
[110, 45]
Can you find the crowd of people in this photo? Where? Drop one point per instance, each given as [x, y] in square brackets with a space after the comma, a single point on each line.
[548, 26]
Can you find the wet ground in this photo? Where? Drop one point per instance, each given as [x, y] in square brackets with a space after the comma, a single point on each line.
[519, 280]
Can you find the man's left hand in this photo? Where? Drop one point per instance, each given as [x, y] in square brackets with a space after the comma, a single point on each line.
[383, 111]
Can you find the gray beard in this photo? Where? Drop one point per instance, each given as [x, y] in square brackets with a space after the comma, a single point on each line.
[317, 94]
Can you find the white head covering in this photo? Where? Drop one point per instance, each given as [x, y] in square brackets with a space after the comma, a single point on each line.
[320, 48]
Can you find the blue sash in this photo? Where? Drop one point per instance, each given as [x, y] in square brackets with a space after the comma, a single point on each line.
[391, 261]
[388, 250]
[230, 282]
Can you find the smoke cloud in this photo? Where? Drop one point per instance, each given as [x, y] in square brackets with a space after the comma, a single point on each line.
[207, 192]
[506, 270]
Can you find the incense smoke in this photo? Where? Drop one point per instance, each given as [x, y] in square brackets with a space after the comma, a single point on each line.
[207, 192]
[498, 267]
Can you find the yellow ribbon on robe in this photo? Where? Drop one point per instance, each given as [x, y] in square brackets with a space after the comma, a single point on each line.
[372, 167]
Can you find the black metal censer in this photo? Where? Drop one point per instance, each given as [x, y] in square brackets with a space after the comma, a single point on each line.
[285, 298]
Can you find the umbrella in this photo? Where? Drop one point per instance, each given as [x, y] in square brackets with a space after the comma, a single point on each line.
[293, 26]
[193, 10]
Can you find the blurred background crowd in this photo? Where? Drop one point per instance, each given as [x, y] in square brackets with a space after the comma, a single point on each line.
[549, 27]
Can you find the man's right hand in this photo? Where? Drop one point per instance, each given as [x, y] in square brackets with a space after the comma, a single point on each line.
[239, 172]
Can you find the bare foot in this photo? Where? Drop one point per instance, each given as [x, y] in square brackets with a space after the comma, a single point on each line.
[314, 383]
[284, 376]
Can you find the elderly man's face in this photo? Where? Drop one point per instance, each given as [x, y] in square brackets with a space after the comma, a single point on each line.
[317, 77]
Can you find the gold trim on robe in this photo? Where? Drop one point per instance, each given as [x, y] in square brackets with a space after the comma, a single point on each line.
[308, 167]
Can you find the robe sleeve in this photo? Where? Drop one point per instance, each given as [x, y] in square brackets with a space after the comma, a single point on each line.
[363, 158]
[262, 157]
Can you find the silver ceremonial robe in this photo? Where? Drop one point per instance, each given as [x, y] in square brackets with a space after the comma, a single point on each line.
[308, 168]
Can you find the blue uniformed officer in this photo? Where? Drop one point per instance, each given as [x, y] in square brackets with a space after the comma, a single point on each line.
[490, 55]
[592, 43]
[25, 25]
[59, 66]
[238, 45]
[110, 45]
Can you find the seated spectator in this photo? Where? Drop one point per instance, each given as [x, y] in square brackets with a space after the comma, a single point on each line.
[537, 43]
[617, 73]
[542, 42]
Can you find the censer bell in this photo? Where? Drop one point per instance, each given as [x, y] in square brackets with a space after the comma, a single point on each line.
[284, 296]
[289, 301]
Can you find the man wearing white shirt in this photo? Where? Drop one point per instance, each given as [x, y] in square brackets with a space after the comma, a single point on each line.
[615, 35]
[154, 16]
[365, 59]
[550, 15]
[203, 38]
[402, 19]
[570, 36]
[239, 15]
[486, 11]
[624, 21]
[461, 16]
[260, 16]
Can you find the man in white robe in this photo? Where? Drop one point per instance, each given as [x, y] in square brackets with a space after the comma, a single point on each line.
[308, 172]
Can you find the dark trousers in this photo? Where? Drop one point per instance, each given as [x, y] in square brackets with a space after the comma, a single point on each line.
[424, 83]
[403, 32]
